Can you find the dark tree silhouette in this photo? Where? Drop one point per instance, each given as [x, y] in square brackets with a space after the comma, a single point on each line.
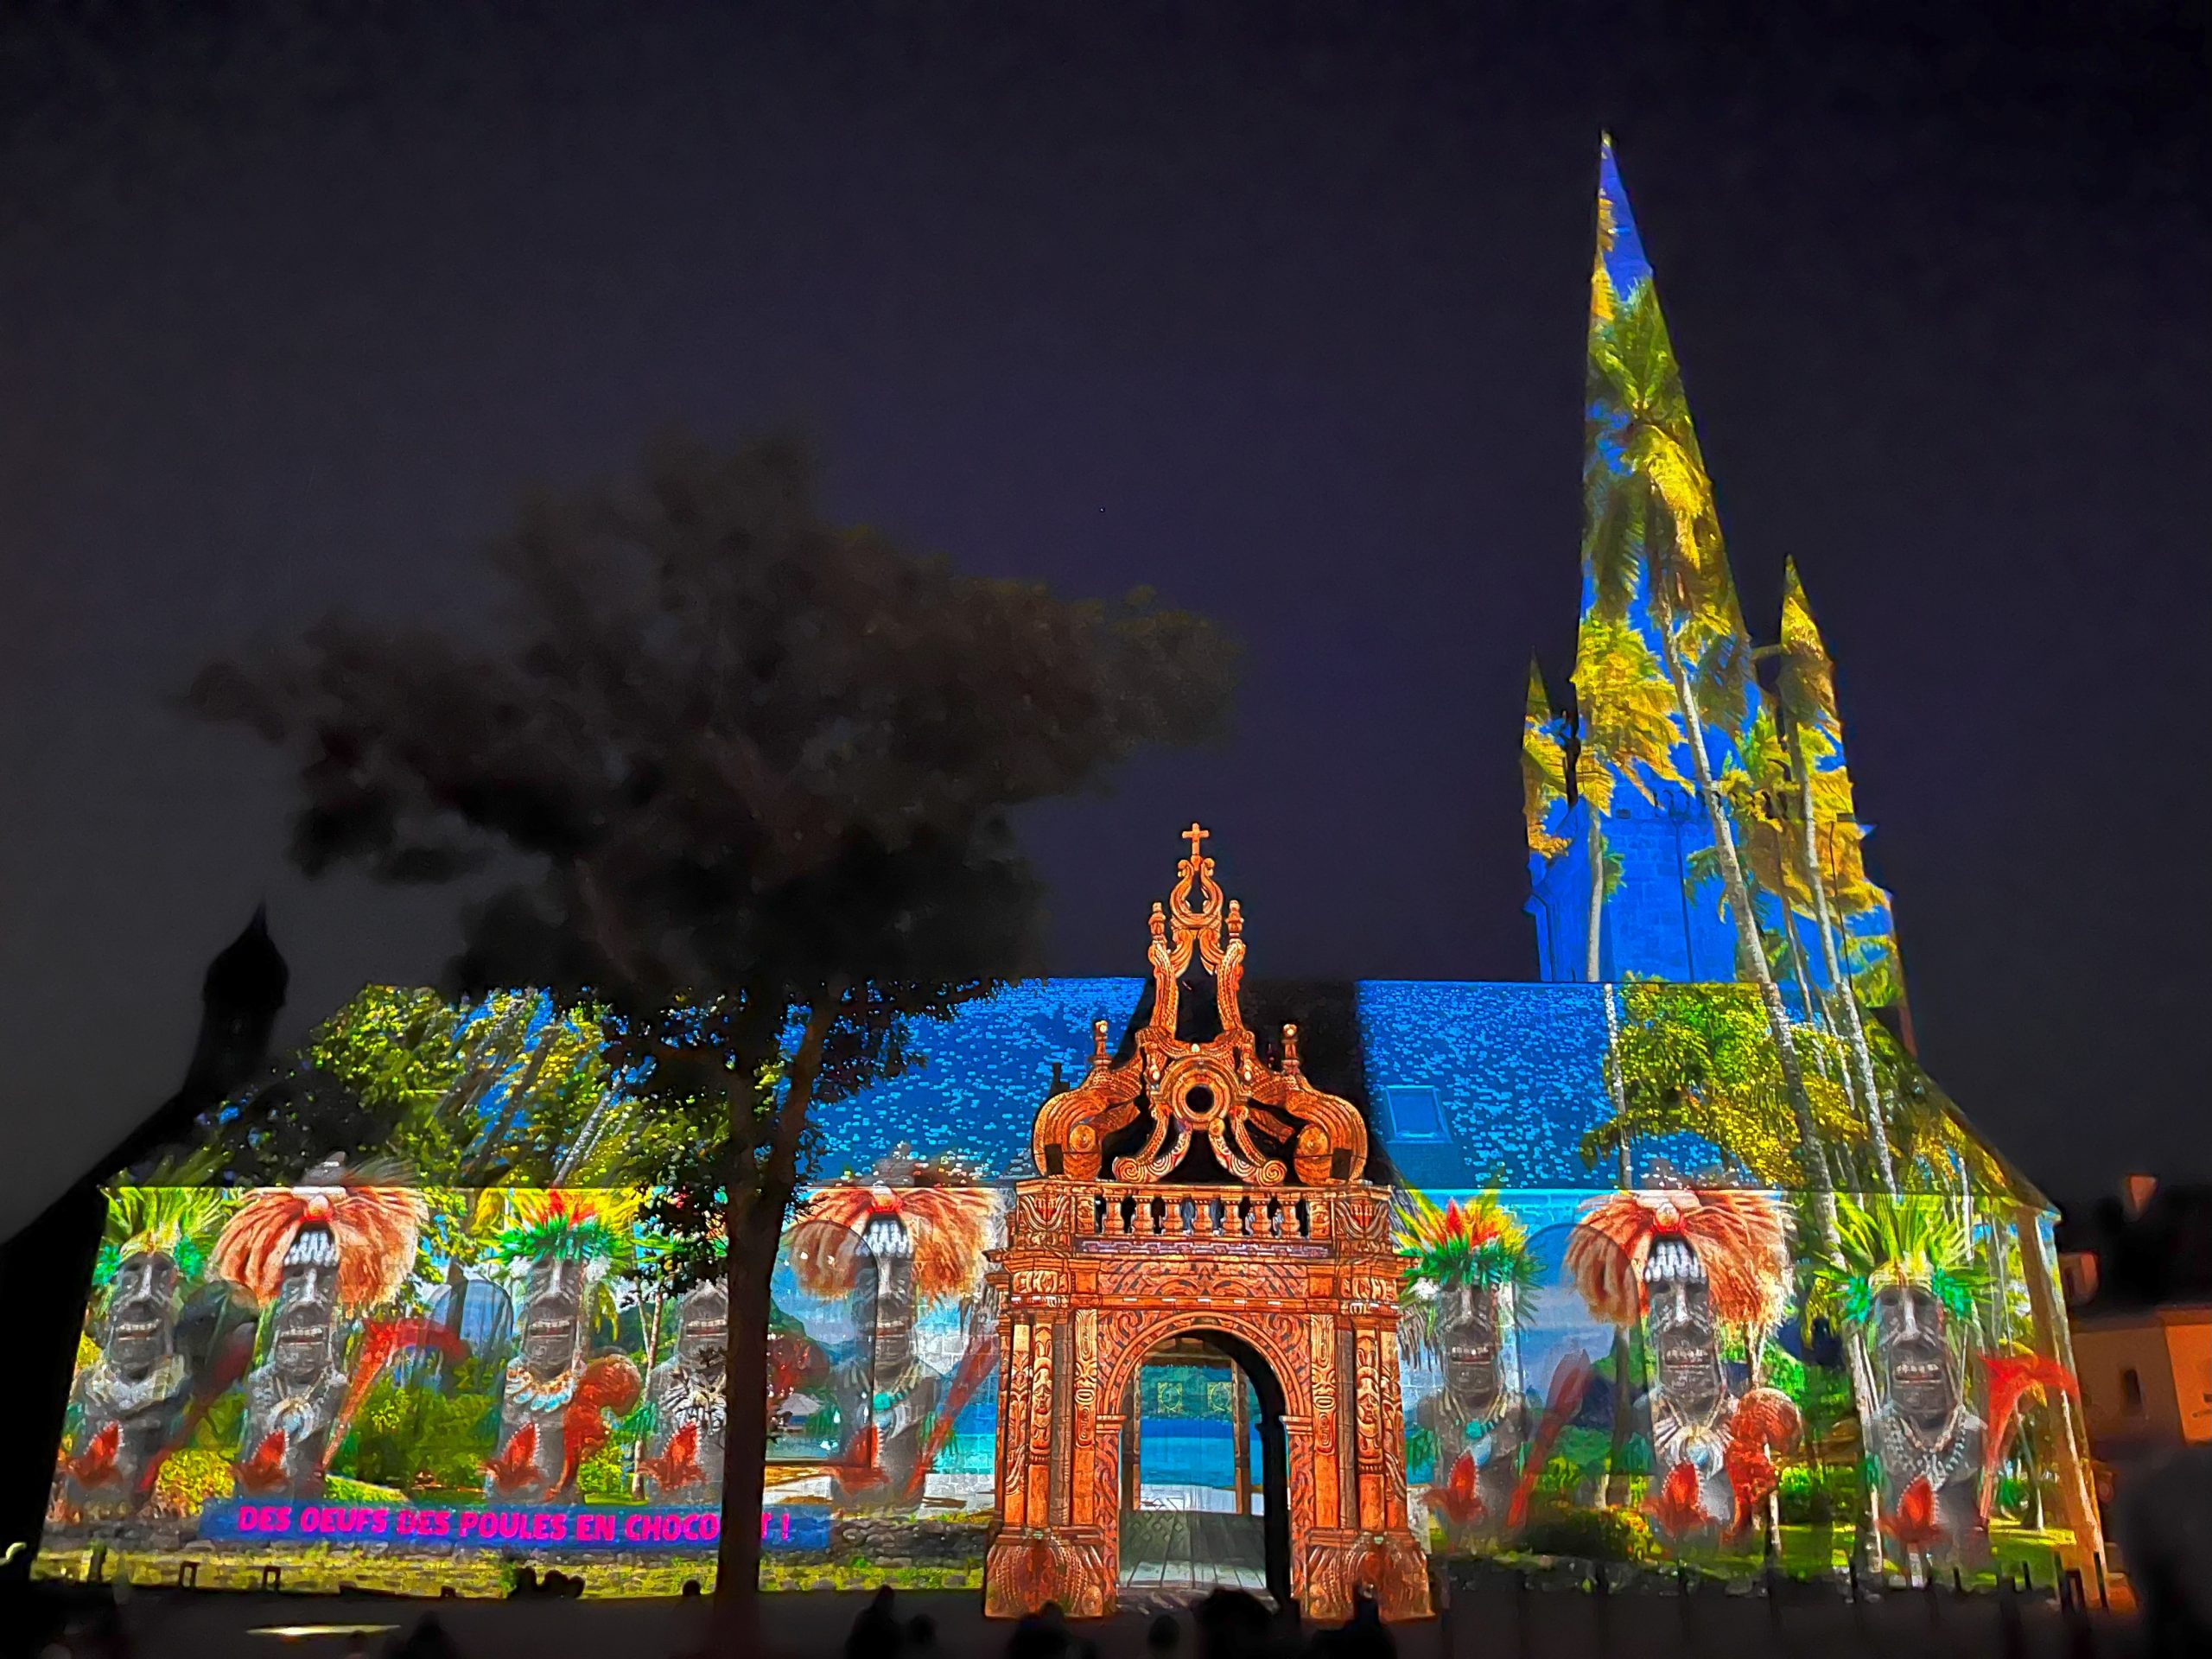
[747, 775]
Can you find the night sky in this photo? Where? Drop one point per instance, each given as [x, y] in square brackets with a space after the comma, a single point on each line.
[1279, 309]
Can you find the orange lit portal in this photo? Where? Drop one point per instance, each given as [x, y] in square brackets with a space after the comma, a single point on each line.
[1299, 1280]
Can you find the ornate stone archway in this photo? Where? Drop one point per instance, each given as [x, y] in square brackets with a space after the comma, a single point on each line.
[1097, 1272]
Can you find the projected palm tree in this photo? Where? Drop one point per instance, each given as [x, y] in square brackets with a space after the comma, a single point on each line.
[1805, 693]
[1543, 769]
[1629, 728]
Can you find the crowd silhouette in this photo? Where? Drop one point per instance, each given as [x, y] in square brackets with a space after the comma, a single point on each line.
[1227, 1624]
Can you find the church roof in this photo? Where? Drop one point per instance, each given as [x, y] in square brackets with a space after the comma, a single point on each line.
[1463, 1083]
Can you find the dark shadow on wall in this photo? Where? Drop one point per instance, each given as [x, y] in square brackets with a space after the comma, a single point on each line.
[47, 1267]
[1329, 1053]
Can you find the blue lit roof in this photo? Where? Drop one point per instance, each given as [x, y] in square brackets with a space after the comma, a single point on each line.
[983, 1074]
[1465, 1084]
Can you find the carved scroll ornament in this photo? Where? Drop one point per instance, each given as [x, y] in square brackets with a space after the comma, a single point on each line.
[1219, 1089]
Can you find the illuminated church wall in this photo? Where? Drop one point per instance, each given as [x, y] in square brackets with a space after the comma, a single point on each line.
[272, 1376]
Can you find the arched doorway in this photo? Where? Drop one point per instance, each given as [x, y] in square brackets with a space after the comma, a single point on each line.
[1205, 1497]
[1109, 1254]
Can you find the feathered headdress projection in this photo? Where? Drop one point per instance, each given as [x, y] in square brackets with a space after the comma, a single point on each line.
[595, 1228]
[1920, 1242]
[1740, 1239]
[1480, 1242]
[373, 1228]
[177, 1222]
[944, 1227]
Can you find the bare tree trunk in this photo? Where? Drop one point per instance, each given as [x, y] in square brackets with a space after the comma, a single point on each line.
[754, 1212]
[652, 1358]
[456, 1314]
[1749, 952]
[1625, 1175]
[518, 1091]
[755, 1224]
[1861, 1057]
[1814, 1014]
[587, 1137]
[1595, 969]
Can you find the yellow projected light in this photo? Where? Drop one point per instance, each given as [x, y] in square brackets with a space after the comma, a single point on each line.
[301, 1632]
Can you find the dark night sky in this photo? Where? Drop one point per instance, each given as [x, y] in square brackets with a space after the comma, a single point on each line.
[1279, 309]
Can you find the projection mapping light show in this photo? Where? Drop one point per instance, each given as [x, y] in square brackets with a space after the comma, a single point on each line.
[1674, 1257]
[414, 1387]
[349, 1368]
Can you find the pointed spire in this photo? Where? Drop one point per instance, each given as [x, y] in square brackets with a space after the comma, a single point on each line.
[1539, 707]
[1652, 555]
[1805, 688]
[1543, 768]
[1806, 685]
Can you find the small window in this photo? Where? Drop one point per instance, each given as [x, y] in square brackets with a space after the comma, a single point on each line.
[2130, 1392]
[1415, 1113]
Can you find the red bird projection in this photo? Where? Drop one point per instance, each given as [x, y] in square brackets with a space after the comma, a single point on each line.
[95, 1465]
[607, 1384]
[678, 1466]
[265, 1471]
[1913, 1523]
[1677, 1510]
[517, 1466]
[1457, 1499]
[2014, 1379]
[793, 1362]
[1767, 1421]
[860, 1469]
[382, 1342]
[1570, 1381]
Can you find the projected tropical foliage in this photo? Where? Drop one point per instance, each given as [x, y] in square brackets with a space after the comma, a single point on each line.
[368, 1379]
[389, 1384]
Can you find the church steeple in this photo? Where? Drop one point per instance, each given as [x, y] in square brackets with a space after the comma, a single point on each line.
[1660, 642]
[1543, 770]
[1672, 787]
[1864, 923]
[1652, 554]
[239, 1000]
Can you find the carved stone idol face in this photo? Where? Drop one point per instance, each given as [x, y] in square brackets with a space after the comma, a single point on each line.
[1466, 1336]
[141, 1314]
[553, 1318]
[302, 1339]
[1685, 1344]
[892, 1252]
[1909, 1334]
[703, 1328]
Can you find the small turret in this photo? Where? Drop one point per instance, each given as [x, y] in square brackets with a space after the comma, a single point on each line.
[240, 997]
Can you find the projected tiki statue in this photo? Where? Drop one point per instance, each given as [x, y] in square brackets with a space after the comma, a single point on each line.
[558, 1397]
[129, 1404]
[311, 1257]
[1469, 1283]
[1905, 1288]
[691, 1405]
[893, 1250]
[1697, 1267]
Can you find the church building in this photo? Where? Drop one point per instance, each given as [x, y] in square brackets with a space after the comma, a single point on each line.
[1671, 1256]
